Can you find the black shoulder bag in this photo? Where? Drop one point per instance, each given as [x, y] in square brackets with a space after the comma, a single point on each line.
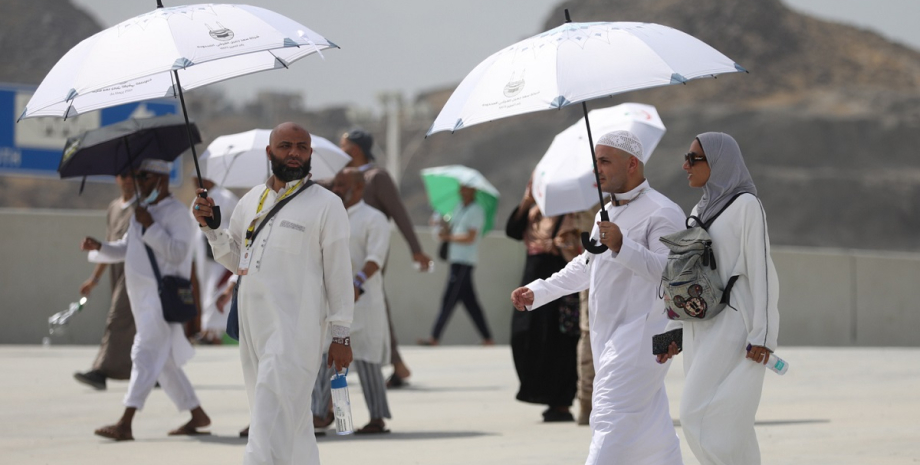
[175, 294]
[233, 318]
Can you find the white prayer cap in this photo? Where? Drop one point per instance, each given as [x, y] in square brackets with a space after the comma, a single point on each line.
[154, 166]
[625, 141]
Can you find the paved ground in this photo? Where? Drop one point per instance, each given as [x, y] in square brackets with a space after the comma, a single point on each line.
[835, 406]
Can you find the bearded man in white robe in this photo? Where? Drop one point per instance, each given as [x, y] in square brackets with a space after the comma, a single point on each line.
[630, 421]
[160, 223]
[295, 280]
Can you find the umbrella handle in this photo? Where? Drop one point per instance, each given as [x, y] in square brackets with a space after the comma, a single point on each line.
[213, 221]
[591, 244]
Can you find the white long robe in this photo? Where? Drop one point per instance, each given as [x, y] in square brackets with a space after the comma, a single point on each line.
[299, 280]
[370, 241]
[630, 421]
[208, 271]
[722, 389]
[159, 348]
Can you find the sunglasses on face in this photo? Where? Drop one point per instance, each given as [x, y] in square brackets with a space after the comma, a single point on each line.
[692, 158]
[143, 176]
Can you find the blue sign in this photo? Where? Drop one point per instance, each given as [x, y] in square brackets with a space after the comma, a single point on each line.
[33, 147]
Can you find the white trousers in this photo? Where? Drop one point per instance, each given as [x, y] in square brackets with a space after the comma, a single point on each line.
[151, 361]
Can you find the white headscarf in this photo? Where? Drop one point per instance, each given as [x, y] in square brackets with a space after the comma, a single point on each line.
[728, 174]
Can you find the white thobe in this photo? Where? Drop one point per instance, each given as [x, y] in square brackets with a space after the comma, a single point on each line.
[370, 240]
[722, 389]
[208, 271]
[630, 421]
[299, 280]
[159, 348]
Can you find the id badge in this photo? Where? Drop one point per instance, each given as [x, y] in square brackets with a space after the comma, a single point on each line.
[245, 258]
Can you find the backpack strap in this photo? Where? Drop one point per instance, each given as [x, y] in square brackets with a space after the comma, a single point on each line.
[707, 224]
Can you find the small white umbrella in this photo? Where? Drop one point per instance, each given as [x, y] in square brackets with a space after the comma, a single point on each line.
[238, 160]
[574, 63]
[563, 180]
[167, 51]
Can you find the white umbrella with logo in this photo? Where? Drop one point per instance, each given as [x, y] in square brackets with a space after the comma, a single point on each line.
[563, 180]
[167, 51]
[574, 63]
[239, 160]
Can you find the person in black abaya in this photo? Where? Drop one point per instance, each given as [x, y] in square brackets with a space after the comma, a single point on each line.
[544, 341]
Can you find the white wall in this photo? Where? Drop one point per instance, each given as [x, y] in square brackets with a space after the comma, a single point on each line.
[827, 297]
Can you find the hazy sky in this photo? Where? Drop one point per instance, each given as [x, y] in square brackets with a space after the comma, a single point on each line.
[417, 45]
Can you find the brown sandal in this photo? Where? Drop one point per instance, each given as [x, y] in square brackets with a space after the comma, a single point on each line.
[188, 430]
[373, 428]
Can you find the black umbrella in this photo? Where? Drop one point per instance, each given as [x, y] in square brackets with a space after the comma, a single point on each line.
[110, 150]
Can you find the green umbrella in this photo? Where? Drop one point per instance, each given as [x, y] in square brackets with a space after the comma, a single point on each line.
[443, 187]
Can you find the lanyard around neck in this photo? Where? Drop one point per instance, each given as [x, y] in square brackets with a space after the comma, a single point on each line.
[259, 215]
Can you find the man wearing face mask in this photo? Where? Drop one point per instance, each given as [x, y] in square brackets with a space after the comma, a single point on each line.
[160, 223]
[295, 282]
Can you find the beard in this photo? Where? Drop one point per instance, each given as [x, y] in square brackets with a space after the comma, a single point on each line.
[289, 173]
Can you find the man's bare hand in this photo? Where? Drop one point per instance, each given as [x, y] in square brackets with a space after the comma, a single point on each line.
[87, 287]
[340, 355]
[522, 298]
[201, 208]
[610, 235]
[759, 354]
[143, 216]
[90, 244]
[422, 260]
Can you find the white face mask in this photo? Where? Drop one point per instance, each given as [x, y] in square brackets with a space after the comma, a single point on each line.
[153, 195]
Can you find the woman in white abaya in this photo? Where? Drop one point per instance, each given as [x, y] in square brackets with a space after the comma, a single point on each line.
[724, 379]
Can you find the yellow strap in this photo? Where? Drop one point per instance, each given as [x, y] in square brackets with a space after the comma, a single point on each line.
[252, 225]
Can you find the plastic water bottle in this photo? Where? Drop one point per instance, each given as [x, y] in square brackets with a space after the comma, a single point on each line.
[341, 404]
[775, 363]
[418, 267]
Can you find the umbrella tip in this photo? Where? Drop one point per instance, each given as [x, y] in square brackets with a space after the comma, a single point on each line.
[159, 3]
[568, 18]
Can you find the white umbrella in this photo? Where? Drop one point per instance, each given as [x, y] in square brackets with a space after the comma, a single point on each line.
[167, 51]
[238, 160]
[563, 180]
[143, 57]
[574, 63]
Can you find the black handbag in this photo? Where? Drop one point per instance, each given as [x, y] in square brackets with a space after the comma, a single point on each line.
[443, 250]
[233, 318]
[176, 297]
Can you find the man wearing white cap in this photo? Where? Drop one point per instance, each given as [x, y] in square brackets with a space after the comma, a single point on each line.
[162, 225]
[630, 421]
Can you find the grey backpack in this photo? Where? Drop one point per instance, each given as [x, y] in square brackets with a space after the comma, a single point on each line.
[693, 289]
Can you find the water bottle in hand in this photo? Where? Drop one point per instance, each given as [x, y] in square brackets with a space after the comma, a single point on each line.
[778, 365]
[341, 404]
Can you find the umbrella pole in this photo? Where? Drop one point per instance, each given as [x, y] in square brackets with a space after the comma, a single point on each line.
[214, 221]
[591, 244]
[137, 194]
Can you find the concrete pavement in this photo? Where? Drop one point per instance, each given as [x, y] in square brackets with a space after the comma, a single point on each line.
[836, 406]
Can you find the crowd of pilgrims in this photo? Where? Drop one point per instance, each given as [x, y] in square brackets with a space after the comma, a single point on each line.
[582, 323]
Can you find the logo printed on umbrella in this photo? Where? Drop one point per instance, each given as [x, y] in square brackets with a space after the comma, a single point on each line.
[223, 34]
[514, 87]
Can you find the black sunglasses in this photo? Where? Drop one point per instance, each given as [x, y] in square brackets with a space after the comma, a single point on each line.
[692, 158]
[143, 176]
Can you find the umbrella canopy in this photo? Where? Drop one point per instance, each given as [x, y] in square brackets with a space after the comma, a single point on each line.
[150, 55]
[574, 63]
[443, 187]
[238, 160]
[135, 59]
[563, 180]
[111, 149]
